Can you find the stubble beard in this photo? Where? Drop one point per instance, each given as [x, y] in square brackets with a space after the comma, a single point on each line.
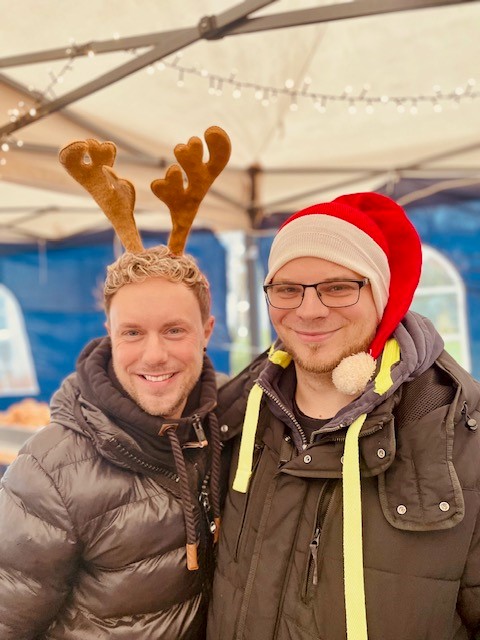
[157, 405]
[312, 364]
[159, 409]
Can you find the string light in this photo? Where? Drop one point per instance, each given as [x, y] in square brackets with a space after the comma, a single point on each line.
[264, 94]
[352, 100]
[22, 109]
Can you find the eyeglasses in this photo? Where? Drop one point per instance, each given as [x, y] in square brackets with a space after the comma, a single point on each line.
[334, 294]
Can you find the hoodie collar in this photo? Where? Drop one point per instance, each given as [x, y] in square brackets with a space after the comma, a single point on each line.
[101, 389]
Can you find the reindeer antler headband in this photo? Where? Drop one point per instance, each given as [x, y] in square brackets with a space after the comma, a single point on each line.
[90, 163]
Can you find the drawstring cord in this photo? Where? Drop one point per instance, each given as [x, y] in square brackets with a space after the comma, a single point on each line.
[355, 604]
[215, 476]
[191, 546]
[352, 536]
[188, 509]
[247, 443]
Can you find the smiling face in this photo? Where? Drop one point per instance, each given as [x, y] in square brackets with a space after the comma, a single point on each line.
[158, 337]
[317, 337]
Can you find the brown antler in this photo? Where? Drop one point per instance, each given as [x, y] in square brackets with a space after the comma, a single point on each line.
[89, 162]
[183, 202]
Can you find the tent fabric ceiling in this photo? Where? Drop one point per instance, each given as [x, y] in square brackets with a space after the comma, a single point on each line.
[287, 151]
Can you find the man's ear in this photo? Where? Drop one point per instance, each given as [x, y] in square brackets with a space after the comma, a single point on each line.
[208, 328]
[107, 327]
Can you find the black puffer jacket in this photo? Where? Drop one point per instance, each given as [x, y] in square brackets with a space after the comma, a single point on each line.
[92, 527]
[280, 563]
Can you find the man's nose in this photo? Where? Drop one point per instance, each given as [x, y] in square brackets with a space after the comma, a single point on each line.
[156, 351]
[312, 306]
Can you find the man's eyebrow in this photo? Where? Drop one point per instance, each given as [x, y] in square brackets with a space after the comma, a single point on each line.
[129, 324]
[176, 322]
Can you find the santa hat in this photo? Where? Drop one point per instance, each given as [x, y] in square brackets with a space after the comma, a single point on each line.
[370, 234]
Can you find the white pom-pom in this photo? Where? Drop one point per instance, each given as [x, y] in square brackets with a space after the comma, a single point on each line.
[353, 373]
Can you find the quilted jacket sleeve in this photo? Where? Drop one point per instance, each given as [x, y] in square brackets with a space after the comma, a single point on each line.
[38, 550]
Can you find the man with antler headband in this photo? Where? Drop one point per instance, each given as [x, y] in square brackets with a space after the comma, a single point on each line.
[108, 516]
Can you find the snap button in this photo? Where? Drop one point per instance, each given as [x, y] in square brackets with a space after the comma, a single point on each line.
[401, 509]
[472, 424]
[381, 453]
[444, 506]
[224, 428]
[307, 459]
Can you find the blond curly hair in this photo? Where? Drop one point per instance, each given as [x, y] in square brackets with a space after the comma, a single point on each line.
[157, 262]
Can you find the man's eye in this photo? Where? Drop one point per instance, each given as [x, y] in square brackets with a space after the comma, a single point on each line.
[340, 287]
[288, 290]
[175, 331]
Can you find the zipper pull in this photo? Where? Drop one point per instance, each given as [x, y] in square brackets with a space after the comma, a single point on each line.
[207, 509]
[199, 432]
[314, 553]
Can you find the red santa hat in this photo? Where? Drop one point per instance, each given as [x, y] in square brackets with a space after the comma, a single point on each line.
[368, 233]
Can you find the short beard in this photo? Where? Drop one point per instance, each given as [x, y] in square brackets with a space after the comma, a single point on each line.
[167, 411]
[158, 409]
[312, 365]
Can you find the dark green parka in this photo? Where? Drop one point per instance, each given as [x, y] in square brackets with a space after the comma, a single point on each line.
[280, 563]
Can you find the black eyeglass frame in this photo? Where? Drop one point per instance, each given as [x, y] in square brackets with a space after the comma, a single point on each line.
[361, 283]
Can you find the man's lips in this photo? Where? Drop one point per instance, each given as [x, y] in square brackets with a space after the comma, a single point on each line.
[314, 336]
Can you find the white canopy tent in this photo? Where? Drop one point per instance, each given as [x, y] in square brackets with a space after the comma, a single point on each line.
[319, 98]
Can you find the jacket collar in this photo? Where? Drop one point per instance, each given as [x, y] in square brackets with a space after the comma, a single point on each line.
[420, 345]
